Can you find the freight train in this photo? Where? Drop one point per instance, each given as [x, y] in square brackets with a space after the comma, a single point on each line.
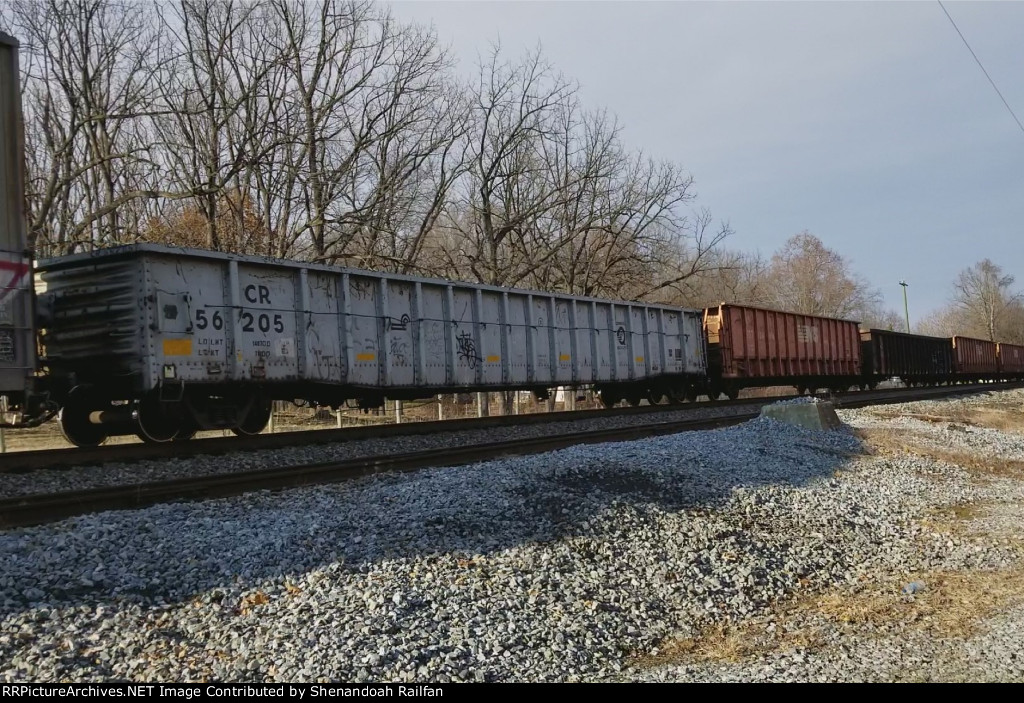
[161, 341]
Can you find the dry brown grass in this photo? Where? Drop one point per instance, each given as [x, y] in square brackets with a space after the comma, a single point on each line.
[952, 604]
[1002, 417]
[893, 443]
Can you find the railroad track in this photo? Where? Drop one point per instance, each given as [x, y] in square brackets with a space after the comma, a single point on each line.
[17, 462]
[43, 508]
[26, 461]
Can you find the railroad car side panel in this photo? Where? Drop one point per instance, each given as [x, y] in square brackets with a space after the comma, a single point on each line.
[623, 343]
[437, 348]
[400, 324]
[975, 357]
[890, 354]
[563, 334]
[694, 352]
[321, 353]
[468, 357]
[542, 331]
[651, 350]
[517, 351]
[189, 329]
[1011, 358]
[756, 343]
[492, 313]
[637, 342]
[96, 329]
[604, 341]
[266, 326]
[670, 351]
[17, 326]
[363, 330]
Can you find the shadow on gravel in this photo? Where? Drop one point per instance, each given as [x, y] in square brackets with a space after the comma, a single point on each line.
[220, 550]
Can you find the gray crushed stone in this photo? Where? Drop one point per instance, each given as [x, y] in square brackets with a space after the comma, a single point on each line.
[567, 566]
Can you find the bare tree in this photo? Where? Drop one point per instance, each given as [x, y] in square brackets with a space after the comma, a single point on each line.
[984, 304]
[982, 293]
[515, 109]
[807, 277]
[86, 78]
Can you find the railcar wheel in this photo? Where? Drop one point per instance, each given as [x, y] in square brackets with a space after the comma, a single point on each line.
[156, 424]
[655, 397]
[255, 421]
[634, 399]
[74, 418]
[732, 393]
[609, 399]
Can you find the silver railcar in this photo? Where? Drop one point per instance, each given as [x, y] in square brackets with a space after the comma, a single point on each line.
[17, 329]
[164, 341]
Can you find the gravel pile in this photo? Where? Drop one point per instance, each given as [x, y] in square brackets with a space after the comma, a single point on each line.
[118, 474]
[802, 400]
[574, 565]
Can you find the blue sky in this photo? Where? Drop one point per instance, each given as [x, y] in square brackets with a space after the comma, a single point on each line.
[867, 123]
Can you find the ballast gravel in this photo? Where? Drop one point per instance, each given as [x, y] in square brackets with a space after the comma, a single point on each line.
[574, 565]
[118, 474]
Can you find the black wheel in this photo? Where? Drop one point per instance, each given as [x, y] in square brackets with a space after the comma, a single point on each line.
[188, 431]
[255, 421]
[157, 421]
[609, 399]
[655, 397]
[74, 418]
[732, 393]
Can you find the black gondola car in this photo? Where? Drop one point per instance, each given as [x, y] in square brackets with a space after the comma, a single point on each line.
[914, 358]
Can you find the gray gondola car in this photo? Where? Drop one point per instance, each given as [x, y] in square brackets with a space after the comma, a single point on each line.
[163, 341]
[17, 332]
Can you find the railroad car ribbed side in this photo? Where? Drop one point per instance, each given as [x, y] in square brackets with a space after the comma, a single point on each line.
[206, 329]
[974, 359]
[17, 325]
[750, 346]
[913, 358]
[1011, 360]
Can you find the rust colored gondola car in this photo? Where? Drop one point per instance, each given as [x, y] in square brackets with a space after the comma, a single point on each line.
[974, 359]
[913, 358]
[1011, 360]
[751, 347]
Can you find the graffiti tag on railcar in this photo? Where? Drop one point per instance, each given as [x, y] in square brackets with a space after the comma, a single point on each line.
[399, 325]
[467, 349]
[398, 352]
[620, 335]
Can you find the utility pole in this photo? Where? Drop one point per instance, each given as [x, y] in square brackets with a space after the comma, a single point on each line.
[906, 310]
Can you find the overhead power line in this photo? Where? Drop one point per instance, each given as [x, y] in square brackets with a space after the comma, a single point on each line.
[980, 65]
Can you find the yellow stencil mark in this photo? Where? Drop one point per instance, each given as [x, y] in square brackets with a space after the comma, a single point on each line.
[493, 358]
[367, 356]
[639, 360]
[564, 357]
[177, 347]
